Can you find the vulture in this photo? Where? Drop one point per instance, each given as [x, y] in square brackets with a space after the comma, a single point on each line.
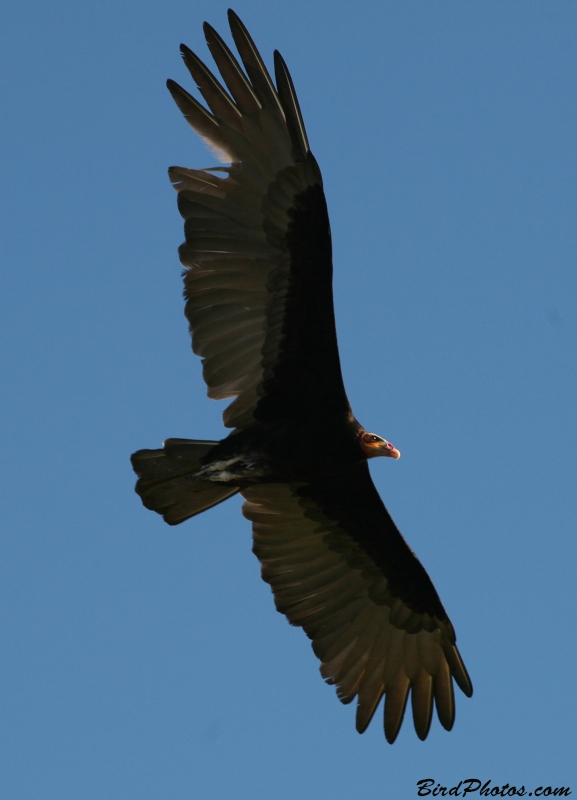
[258, 289]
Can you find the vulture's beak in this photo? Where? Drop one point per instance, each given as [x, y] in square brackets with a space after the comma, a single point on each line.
[388, 450]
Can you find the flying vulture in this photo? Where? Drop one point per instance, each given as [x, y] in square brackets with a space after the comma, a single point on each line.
[258, 289]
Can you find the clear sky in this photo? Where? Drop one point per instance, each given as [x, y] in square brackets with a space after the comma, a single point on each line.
[141, 661]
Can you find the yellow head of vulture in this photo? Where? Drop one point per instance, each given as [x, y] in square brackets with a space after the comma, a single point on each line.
[373, 445]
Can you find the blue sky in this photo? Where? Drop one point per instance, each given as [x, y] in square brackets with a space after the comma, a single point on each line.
[139, 661]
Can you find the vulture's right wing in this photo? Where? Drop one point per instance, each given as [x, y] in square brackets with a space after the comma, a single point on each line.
[258, 281]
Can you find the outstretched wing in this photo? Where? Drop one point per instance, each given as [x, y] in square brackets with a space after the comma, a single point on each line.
[258, 279]
[340, 569]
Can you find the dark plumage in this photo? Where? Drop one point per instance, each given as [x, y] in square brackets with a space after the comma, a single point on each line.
[258, 288]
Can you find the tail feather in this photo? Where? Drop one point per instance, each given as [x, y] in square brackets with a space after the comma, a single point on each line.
[166, 482]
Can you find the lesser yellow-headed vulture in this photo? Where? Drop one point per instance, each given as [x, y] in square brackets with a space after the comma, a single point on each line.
[258, 288]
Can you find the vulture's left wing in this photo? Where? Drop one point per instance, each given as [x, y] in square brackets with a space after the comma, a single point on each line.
[340, 569]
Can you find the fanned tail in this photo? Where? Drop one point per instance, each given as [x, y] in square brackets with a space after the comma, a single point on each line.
[167, 483]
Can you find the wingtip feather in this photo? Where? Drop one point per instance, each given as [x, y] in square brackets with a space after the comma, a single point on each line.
[253, 63]
[395, 705]
[291, 108]
[422, 704]
[231, 72]
[201, 121]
